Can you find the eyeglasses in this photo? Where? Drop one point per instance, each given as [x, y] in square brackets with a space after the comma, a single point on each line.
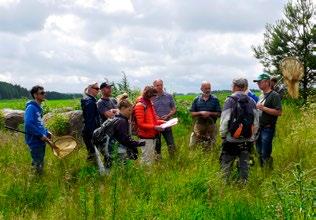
[42, 93]
[96, 88]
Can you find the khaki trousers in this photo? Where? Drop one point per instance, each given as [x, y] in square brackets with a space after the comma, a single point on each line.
[204, 135]
[148, 151]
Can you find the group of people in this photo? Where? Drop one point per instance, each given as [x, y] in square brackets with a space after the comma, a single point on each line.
[245, 120]
[153, 108]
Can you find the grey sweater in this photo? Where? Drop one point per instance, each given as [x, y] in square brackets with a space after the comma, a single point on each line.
[225, 117]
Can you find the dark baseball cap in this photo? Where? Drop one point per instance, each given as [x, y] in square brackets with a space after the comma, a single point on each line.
[105, 84]
[261, 77]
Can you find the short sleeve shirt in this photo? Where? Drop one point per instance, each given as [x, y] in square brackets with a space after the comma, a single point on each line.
[210, 105]
[105, 105]
[163, 104]
[272, 100]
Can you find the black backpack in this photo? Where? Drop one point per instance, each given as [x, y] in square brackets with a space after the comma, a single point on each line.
[103, 134]
[242, 117]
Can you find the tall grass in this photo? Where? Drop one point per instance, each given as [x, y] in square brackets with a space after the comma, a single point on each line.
[187, 187]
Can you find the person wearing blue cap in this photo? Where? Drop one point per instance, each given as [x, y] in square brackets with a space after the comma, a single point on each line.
[270, 108]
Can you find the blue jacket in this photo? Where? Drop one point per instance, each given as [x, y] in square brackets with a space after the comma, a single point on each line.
[34, 126]
[91, 116]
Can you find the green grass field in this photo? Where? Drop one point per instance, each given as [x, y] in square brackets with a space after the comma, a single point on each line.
[189, 187]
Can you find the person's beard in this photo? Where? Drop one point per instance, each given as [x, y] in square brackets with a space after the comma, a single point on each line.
[207, 93]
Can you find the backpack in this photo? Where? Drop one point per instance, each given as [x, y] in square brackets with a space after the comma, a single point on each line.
[242, 118]
[134, 127]
[101, 136]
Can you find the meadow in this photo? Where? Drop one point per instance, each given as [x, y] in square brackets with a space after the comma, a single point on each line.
[187, 187]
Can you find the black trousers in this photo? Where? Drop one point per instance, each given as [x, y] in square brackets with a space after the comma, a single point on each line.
[168, 136]
[87, 139]
[231, 151]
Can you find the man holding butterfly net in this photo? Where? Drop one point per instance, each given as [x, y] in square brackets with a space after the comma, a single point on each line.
[36, 134]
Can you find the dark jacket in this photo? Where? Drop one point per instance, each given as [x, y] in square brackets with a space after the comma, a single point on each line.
[121, 133]
[34, 126]
[91, 116]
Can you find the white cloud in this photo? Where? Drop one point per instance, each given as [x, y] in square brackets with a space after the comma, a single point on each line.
[8, 3]
[115, 6]
[66, 44]
[6, 77]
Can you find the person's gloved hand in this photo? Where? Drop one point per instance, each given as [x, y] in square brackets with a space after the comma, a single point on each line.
[49, 135]
[141, 143]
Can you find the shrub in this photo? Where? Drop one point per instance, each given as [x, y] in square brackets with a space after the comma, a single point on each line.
[58, 125]
[45, 108]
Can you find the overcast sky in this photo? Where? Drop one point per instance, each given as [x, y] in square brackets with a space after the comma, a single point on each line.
[66, 44]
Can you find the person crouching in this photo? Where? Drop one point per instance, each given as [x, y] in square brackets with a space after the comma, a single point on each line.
[127, 146]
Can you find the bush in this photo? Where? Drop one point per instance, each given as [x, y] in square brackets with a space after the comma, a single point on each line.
[58, 125]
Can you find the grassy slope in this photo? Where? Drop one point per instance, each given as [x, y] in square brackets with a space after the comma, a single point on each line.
[188, 188]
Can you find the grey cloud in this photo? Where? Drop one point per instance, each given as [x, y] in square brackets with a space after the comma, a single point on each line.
[27, 15]
[183, 42]
[227, 16]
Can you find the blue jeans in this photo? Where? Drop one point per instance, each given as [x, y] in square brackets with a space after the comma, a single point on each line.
[264, 144]
[37, 154]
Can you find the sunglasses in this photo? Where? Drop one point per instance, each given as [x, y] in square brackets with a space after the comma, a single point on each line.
[42, 93]
[96, 88]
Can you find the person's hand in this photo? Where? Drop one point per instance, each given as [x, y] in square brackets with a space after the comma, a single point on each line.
[115, 111]
[158, 128]
[49, 135]
[44, 138]
[165, 117]
[205, 114]
[260, 106]
[141, 143]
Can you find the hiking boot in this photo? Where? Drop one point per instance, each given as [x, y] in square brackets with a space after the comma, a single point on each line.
[91, 159]
[38, 169]
[158, 157]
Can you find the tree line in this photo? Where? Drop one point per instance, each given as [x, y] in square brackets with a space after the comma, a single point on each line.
[10, 91]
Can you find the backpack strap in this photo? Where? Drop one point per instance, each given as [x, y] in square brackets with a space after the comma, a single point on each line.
[235, 98]
[235, 101]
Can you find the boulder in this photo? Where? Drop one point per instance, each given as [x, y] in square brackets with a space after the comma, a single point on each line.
[13, 118]
[62, 110]
[75, 121]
